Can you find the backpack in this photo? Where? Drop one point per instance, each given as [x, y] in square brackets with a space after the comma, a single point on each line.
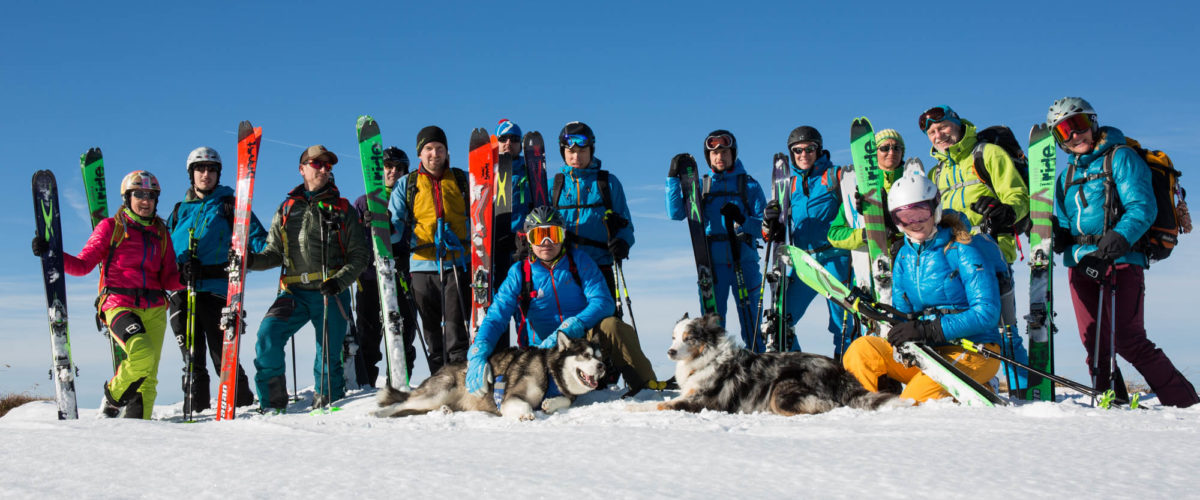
[1160, 239]
[526, 296]
[999, 135]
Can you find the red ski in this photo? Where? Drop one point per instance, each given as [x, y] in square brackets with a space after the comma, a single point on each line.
[232, 319]
[482, 164]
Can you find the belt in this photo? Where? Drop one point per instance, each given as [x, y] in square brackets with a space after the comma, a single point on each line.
[307, 278]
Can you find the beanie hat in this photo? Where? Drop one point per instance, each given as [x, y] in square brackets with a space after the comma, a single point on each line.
[889, 133]
[507, 127]
[429, 134]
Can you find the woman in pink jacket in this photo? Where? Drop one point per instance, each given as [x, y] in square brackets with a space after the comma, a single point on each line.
[137, 264]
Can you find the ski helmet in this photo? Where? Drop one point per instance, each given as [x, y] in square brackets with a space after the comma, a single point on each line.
[805, 134]
[544, 215]
[717, 139]
[576, 128]
[203, 154]
[396, 155]
[1067, 107]
[507, 127]
[138, 179]
[914, 187]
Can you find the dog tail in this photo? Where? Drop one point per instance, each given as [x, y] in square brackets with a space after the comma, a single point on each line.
[389, 396]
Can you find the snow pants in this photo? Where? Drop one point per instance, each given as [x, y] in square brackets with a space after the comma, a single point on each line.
[290, 312]
[370, 330]
[444, 313]
[140, 333]
[209, 337]
[869, 358]
[799, 296]
[623, 351]
[726, 282]
[1128, 309]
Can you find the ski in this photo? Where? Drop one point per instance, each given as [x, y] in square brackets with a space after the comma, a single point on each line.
[773, 321]
[1041, 262]
[49, 228]
[689, 182]
[742, 298]
[860, 259]
[91, 164]
[870, 185]
[370, 152]
[502, 208]
[964, 389]
[233, 315]
[482, 164]
[535, 168]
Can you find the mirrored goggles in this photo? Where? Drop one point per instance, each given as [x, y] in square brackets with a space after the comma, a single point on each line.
[576, 140]
[543, 235]
[912, 214]
[1072, 125]
[718, 141]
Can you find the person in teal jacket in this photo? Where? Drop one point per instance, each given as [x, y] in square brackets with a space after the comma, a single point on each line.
[731, 193]
[815, 202]
[1099, 245]
[566, 293]
[205, 217]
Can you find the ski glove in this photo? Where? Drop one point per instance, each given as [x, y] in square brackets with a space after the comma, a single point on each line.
[618, 248]
[446, 239]
[1112, 245]
[479, 371]
[674, 170]
[40, 246]
[570, 327]
[1094, 266]
[919, 331]
[189, 272]
[330, 287]
[998, 218]
[772, 228]
[1063, 239]
[731, 211]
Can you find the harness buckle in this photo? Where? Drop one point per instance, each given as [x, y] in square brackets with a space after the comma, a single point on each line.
[304, 278]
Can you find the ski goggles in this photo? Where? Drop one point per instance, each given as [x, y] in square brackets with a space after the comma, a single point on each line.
[575, 140]
[913, 214]
[811, 148]
[542, 235]
[718, 141]
[1072, 125]
[935, 115]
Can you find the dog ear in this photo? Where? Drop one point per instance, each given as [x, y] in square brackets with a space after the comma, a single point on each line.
[564, 342]
[685, 316]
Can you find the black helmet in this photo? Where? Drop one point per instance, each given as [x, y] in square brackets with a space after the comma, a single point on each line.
[805, 134]
[396, 155]
[575, 128]
[716, 134]
[544, 215]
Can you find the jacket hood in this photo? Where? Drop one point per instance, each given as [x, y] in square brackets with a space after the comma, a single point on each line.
[1110, 137]
[584, 172]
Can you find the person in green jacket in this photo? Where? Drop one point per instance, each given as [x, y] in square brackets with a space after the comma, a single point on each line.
[316, 237]
[890, 147]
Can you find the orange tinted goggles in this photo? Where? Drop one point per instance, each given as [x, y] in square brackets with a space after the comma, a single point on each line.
[538, 235]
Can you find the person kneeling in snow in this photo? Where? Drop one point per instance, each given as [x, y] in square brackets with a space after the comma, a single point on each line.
[941, 276]
[557, 289]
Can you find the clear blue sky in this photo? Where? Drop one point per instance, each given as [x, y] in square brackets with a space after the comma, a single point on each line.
[148, 83]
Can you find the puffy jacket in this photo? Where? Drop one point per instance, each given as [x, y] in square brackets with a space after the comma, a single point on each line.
[723, 189]
[143, 259]
[213, 233]
[582, 207]
[437, 201]
[1132, 180]
[556, 297]
[841, 235]
[949, 274]
[815, 201]
[961, 186]
[298, 247]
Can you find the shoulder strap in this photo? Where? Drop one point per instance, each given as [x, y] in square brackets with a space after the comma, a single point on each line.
[605, 193]
[464, 186]
[232, 200]
[574, 270]
[742, 182]
[556, 190]
[174, 217]
[410, 193]
[981, 170]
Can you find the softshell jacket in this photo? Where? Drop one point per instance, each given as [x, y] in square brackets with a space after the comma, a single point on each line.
[213, 232]
[582, 207]
[1081, 207]
[557, 296]
[723, 188]
[958, 181]
[298, 246]
[816, 201]
[841, 235]
[143, 259]
[951, 276]
[438, 201]
[399, 248]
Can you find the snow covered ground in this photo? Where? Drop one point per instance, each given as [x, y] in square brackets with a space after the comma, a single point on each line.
[598, 450]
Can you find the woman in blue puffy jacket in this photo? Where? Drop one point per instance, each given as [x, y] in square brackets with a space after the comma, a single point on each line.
[1105, 267]
[944, 280]
[733, 193]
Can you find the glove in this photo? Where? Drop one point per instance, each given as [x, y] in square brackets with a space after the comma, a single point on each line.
[189, 272]
[445, 238]
[1094, 266]
[549, 342]
[919, 331]
[330, 287]
[998, 218]
[570, 327]
[860, 201]
[618, 248]
[1063, 239]
[1112, 245]
[674, 170]
[731, 211]
[772, 227]
[479, 372]
[40, 246]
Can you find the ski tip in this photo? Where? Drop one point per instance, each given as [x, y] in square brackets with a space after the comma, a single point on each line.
[92, 155]
[859, 127]
[367, 128]
[244, 130]
[480, 137]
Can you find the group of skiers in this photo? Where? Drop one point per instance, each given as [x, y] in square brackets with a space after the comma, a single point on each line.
[951, 234]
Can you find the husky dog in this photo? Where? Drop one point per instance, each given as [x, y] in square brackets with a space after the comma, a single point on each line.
[715, 373]
[575, 367]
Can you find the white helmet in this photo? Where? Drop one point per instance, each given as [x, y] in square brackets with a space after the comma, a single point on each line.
[139, 179]
[203, 154]
[1066, 107]
[914, 187]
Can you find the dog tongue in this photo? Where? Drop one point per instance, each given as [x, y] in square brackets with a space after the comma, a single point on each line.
[587, 380]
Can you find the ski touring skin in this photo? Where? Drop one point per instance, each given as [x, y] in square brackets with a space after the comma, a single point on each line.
[49, 229]
[233, 315]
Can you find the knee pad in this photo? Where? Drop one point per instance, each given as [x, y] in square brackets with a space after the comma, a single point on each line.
[126, 325]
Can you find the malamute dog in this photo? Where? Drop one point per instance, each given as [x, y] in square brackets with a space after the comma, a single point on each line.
[575, 365]
[715, 373]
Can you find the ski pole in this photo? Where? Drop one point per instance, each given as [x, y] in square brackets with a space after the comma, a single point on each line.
[735, 252]
[978, 349]
[1096, 344]
[189, 377]
[295, 390]
[625, 290]
[758, 314]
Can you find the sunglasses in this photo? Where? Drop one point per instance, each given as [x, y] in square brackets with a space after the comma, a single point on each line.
[575, 140]
[394, 165]
[1072, 125]
[508, 138]
[811, 148]
[206, 167]
[541, 235]
[916, 213]
[891, 147]
[320, 164]
[934, 115]
[718, 141]
[144, 195]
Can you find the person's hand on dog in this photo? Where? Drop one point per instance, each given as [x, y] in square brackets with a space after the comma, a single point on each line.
[479, 371]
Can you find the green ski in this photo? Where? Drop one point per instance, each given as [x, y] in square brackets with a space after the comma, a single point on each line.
[870, 186]
[1041, 263]
[92, 164]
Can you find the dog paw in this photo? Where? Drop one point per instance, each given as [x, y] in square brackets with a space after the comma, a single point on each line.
[528, 417]
[445, 410]
[554, 404]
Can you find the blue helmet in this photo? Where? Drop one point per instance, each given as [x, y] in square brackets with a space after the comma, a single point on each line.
[507, 127]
